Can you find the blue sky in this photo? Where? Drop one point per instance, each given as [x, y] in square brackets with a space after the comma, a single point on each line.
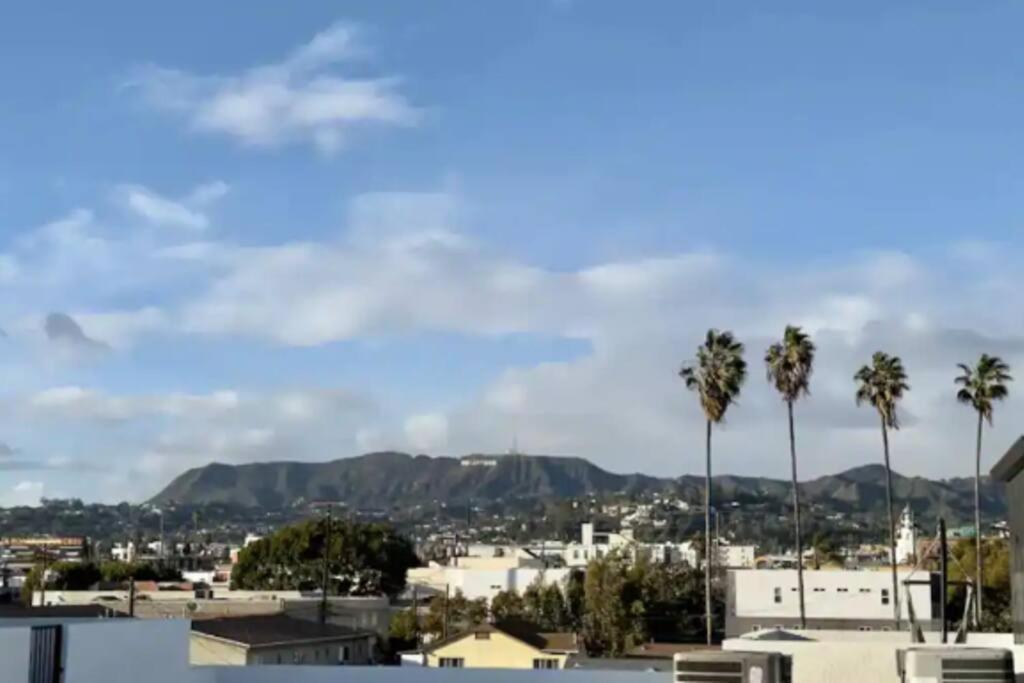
[311, 231]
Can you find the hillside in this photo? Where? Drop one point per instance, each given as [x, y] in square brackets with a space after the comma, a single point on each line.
[381, 480]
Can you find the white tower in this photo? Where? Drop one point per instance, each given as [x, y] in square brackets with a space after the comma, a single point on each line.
[906, 537]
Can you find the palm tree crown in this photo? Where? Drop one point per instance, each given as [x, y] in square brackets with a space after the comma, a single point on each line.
[984, 384]
[717, 374]
[790, 363]
[882, 384]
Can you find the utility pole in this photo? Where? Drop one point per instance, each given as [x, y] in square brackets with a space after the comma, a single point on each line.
[326, 573]
[131, 596]
[42, 579]
[944, 571]
[416, 614]
[444, 622]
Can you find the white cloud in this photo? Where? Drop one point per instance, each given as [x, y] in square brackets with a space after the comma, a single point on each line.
[23, 493]
[185, 213]
[427, 433]
[302, 98]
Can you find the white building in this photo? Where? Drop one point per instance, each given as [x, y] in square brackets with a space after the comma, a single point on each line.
[483, 581]
[906, 539]
[758, 599]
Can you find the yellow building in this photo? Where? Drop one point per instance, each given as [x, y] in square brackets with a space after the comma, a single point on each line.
[277, 639]
[503, 646]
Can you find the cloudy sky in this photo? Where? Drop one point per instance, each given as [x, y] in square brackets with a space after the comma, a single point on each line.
[254, 231]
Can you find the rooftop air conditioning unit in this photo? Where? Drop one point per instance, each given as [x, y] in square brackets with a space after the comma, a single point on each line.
[955, 665]
[728, 666]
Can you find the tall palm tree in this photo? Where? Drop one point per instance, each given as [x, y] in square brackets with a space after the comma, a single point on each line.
[882, 384]
[790, 363]
[716, 376]
[980, 387]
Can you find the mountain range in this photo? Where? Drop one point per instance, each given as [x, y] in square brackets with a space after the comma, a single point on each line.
[386, 479]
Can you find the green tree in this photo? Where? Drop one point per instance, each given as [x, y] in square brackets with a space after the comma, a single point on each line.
[575, 600]
[998, 615]
[363, 559]
[790, 363]
[507, 605]
[404, 631]
[453, 614]
[612, 618]
[881, 385]
[716, 375]
[981, 387]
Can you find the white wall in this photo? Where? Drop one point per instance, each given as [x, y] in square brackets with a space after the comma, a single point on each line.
[14, 643]
[129, 650]
[754, 594]
[845, 657]
[485, 583]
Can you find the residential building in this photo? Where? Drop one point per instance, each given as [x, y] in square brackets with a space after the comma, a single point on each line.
[508, 645]
[277, 639]
[758, 599]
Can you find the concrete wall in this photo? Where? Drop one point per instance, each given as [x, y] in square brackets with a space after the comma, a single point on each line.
[203, 651]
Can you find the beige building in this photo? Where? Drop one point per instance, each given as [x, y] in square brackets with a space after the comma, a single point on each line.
[277, 639]
[503, 646]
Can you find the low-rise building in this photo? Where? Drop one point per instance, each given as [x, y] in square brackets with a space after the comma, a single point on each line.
[277, 639]
[508, 645]
[758, 599]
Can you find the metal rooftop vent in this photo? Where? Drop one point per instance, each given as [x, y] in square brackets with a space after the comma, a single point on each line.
[955, 665]
[728, 666]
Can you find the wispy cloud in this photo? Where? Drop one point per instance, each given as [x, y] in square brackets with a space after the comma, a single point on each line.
[301, 98]
[186, 213]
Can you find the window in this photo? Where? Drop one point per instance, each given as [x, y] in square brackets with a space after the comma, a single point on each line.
[482, 635]
[344, 653]
[778, 595]
[451, 662]
[865, 590]
[885, 596]
[842, 590]
[819, 590]
[545, 663]
[279, 660]
[864, 628]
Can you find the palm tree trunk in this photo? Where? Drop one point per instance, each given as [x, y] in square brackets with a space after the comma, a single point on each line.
[977, 527]
[892, 527]
[707, 539]
[796, 520]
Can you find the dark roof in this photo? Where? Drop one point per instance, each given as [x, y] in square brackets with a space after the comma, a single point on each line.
[273, 629]
[523, 631]
[779, 634]
[1010, 464]
[14, 611]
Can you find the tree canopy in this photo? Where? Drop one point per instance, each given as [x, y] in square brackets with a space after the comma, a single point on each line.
[363, 559]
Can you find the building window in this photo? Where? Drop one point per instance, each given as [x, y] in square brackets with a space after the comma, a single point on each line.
[819, 590]
[451, 662]
[778, 595]
[885, 596]
[482, 635]
[279, 660]
[864, 628]
[545, 663]
[865, 590]
[344, 653]
[842, 590]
